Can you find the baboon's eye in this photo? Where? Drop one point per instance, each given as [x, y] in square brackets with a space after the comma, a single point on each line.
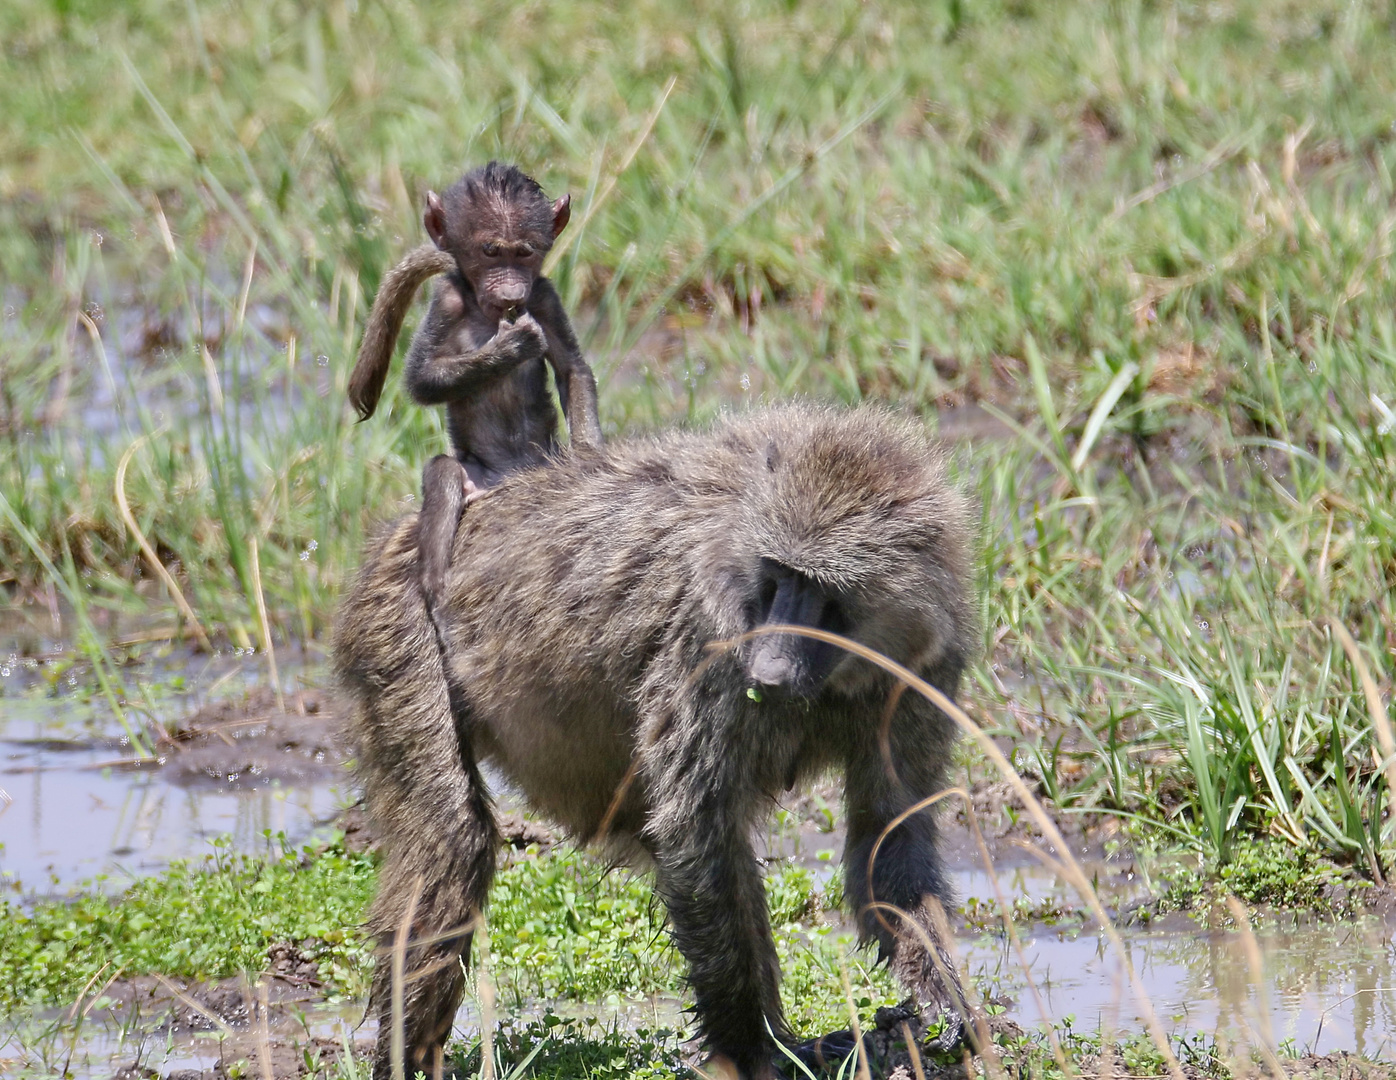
[833, 619]
[491, 249]
[767, 596]
[524, 251]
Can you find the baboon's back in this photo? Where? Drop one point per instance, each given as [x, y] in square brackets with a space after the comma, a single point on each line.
[568, 582]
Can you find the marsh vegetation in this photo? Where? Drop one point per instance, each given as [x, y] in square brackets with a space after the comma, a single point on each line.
[1133, 258]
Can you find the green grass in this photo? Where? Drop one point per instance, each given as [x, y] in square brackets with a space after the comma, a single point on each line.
[555, 1049]
[1267, 873]
[562, 1049]
[565, 933]
[208, 919]
[1150, 241]
[561, 928]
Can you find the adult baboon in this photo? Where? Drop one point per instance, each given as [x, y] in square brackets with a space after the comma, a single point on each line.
[494, 325]
[576, 620]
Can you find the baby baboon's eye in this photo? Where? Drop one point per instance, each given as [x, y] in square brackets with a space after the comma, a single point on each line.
[524, 251]
[491, 249]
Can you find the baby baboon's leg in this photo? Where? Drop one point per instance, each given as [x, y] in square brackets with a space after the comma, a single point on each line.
[446, 489]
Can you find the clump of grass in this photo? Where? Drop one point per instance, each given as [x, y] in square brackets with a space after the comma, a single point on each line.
[204, 919]
[1270, 873]
[554, 1048]
[1151, 243]
[982, 914]
[559, 926]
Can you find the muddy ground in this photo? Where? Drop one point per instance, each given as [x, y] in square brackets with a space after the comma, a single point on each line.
[278, 1024]
[254, 740]
[259, 1028]
[229, 1025]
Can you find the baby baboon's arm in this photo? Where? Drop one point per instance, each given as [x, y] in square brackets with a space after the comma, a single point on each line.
[576, 385]
[439, 374]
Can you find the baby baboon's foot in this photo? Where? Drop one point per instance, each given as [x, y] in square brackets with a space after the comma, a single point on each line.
[473, 492]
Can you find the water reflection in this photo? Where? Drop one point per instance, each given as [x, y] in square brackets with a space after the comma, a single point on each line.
[73, 816]
[1329, 986]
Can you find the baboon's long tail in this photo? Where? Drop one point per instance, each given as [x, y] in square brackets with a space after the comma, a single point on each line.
[395, 293]
[424, 793]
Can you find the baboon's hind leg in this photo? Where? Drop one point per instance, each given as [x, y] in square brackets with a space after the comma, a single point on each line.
[440, 924]
[428, 801]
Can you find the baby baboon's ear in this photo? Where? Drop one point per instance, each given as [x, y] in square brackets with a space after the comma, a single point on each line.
[562, 214]
[435, 219]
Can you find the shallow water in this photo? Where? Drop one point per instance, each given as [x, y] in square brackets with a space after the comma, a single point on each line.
[1328, 986]
[74, 809]
[1325, 985]
[103, 1045]
[70, 820]
[72, 814]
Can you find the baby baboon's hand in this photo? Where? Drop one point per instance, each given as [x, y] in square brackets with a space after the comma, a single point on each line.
[524, 334]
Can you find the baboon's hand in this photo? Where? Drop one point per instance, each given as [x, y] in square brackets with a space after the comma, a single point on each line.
[721, 1067]
[524, 334]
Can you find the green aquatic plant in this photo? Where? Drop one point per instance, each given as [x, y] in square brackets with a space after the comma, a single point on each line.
[1137, 254]
[562, 927]
[204, 919]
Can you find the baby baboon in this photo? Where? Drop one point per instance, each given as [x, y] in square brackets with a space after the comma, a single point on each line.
[575, 623]
[481, 349]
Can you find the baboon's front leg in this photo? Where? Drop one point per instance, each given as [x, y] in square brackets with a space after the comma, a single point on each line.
[717, 915]
[894, 876]
[708, 877]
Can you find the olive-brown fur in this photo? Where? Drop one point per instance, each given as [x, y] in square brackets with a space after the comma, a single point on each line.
[575, 620]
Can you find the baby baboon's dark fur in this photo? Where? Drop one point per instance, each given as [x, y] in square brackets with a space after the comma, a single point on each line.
[494, 325]
[577, 611]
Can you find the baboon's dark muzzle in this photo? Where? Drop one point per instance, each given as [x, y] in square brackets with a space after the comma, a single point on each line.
[792, 662]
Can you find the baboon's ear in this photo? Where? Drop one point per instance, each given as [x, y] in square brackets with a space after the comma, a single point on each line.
[435, 219]
[562, 214]
[772, 455]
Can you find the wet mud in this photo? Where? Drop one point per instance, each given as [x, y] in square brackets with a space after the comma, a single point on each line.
[281, 765]
[278, 1025]
[255, 742]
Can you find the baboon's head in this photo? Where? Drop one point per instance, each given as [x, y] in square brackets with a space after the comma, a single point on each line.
[499, 226]
[854, 529]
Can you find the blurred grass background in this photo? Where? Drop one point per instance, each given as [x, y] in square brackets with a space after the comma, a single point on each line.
[1134, 257]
